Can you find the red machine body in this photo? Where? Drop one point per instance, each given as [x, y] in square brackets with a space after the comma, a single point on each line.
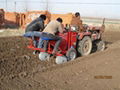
[69, 40]
[73, 44]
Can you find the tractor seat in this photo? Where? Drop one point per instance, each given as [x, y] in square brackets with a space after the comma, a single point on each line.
[46, 38]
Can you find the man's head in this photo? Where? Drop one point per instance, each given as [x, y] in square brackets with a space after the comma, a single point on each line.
[77, 14]
[43, 16]
[59, 20]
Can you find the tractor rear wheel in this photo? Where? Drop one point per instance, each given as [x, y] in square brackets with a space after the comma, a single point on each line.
[71, 54]
[84, 46]
[100, 45]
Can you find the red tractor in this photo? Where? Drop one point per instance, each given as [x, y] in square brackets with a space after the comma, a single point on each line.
[73, 44]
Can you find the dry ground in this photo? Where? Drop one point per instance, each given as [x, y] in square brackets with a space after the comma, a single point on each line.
[21, 70]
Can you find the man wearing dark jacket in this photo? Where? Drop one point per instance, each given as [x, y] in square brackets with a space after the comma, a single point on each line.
[34, 29]
[37, 24]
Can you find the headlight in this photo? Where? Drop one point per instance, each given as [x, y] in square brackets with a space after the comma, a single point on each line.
[73, 28]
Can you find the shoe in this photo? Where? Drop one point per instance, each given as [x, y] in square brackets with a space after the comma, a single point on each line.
[36, 52]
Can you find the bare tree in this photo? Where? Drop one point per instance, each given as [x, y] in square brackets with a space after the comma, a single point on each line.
[26, 5]
[47, 5]
[15, 5]
[6, 4]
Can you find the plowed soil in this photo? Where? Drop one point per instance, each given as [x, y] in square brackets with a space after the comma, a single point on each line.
[21, 70]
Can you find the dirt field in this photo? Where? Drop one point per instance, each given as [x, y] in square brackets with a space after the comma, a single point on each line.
[21, 70]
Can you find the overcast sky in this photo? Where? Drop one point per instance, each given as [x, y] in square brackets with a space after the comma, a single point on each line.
[92, 8]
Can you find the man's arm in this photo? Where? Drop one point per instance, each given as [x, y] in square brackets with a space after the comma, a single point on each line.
[40, 24]
[60, 28]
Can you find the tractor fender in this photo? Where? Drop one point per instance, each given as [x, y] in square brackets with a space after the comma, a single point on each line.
[82, 35]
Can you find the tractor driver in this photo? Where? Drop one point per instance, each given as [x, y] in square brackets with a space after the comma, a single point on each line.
[77, 22]
[50, 31]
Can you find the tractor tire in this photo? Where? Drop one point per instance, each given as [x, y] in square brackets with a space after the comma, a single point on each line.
[71, 54]
[60, 59]
[43, 56]
[84, 46]
[100, 45]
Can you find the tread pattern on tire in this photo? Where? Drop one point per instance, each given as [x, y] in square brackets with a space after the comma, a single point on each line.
[81, 44]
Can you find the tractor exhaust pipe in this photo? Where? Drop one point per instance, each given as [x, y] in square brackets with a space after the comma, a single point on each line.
[103, 21]
[103, 26]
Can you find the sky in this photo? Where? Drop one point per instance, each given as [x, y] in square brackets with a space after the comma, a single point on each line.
[90, 8]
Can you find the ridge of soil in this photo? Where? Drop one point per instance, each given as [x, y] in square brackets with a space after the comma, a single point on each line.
[21, 70]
